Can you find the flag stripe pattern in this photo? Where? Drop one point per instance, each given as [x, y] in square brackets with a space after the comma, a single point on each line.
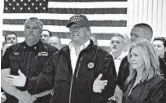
[106, 16]
[100, 36]
[106, 23]
[87, 11]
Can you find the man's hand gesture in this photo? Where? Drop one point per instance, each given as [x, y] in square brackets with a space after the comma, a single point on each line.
[99, 84]
[16, 80]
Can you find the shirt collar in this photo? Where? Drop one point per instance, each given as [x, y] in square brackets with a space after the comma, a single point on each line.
[83, 46]
[122, 55]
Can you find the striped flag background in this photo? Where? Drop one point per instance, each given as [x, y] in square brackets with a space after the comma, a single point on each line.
[105, 16]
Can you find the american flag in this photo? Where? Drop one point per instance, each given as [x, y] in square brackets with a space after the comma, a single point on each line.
[105, 16]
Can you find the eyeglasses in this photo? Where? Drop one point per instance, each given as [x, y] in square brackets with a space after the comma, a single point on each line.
[76, 28]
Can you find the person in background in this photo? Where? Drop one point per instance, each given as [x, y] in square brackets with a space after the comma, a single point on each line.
[144, 83]
[139, 32]
[159, 44]
[26, 58]
[55, 41]
[117, 51]
[11, 38]
[46, 34]
[80, 72]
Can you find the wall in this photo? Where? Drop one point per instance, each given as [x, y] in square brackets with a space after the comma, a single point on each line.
[152, 12]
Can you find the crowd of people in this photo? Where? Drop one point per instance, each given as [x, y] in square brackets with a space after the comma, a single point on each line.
[42, 70]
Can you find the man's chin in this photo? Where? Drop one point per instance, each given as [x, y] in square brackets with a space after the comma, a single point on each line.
[43, 41]
[30, 38]
[114, 50]
[31, 42]
[75, 39]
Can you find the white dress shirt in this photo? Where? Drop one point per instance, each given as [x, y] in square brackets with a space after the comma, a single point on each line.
[117, 61]
[74, 56]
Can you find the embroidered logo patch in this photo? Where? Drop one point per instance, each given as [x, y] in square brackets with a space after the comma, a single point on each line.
[43, 54]
[15, 53]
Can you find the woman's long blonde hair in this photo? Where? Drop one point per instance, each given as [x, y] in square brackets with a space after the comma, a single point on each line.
[151, 60]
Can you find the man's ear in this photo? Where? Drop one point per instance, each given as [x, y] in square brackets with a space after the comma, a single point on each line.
[41, 30]
[88, 32]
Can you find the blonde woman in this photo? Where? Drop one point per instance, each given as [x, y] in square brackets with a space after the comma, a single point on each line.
[144, 83]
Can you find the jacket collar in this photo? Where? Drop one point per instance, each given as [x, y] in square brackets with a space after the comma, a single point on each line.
[83, 46]
[66, 49]
[37, 46]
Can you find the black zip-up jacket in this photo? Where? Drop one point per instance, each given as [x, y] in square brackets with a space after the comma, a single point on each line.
[30, 60]
[124, 71]
[150, 91]
[77, 87]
